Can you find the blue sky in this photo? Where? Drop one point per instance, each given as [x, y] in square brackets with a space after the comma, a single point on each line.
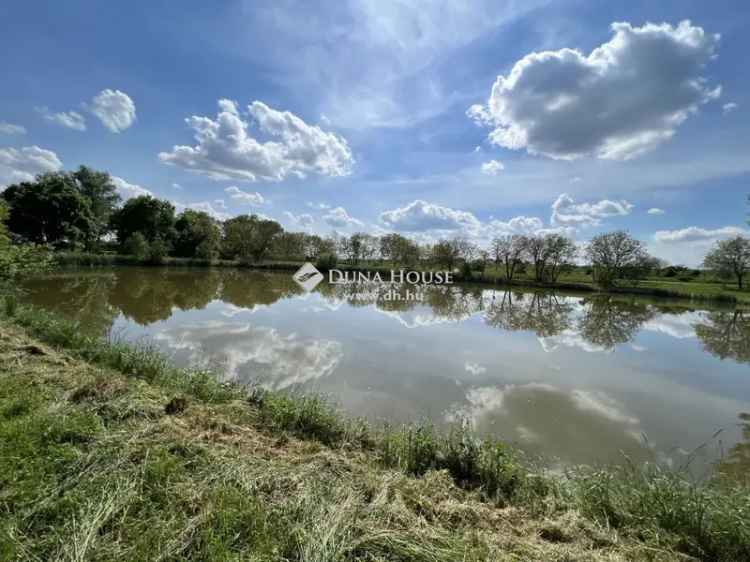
[379, 115]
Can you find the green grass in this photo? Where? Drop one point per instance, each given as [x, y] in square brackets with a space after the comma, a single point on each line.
[109, 452]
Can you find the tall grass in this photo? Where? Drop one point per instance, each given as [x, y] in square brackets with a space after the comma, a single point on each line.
[707, 520]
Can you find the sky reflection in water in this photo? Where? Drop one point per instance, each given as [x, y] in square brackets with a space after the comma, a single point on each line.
[579, 379]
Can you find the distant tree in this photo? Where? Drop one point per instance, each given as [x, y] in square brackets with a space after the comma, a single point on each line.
[730, 258]
[398, 249]
[613, 254]
[508, 251]
[51, 210]
[249, 237]
[560, 254]
[153, 218]
[370, 246]
[289, 245]
[445, 253]
[536, 253]
[136, 246]
[101, 193]
[196, 232]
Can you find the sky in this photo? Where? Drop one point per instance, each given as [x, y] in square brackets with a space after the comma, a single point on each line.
[428, 118]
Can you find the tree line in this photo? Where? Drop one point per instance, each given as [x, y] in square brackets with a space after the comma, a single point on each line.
[81, 211]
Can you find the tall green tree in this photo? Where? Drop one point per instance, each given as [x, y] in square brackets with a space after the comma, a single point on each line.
[100, 191]
[197, 235]
[153, 218]
[730, 258]
[616, 255]
[51, 210]
[249, 237]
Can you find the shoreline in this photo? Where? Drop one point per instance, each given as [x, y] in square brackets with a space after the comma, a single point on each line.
[130, 412]
[722, 296]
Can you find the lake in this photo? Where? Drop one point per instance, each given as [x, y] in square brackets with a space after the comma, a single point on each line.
[573, 378]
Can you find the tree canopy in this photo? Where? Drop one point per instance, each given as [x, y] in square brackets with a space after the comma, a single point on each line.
[730, 258]
[51, 210]
[153, 218]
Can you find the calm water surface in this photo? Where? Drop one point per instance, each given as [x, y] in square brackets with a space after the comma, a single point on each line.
[577, 379]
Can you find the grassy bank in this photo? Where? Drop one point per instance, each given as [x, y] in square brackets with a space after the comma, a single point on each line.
[109, 452]
[701, 288]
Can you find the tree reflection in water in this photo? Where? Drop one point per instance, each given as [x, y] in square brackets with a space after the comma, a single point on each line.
[543, 313]
[726, 334]
[735, 467]
[148, 295]
[608, 322]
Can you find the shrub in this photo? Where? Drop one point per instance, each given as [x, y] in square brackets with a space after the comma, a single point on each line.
[137, 246]
[158, 251]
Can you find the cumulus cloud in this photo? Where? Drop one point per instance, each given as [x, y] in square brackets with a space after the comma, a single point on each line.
[208, 207]
[516, 225]
[493, 167]
[256, 353]
[226, 150]
[303, 219]
[68, 119]
[236, 194]
[339, 218]
[475, 368]
[128, 190]
[697, 234]
[420, 216]
[566, 212]
[11, 129]
[624, 98]
[729, 107]
[22, 164]
[656, 211]
[114, 109]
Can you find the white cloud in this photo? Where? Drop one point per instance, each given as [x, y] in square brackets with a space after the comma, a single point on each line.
[255, 199]
[69, 119]
[129, 190]
[11, 129]
[566, 212]
[697, 234]
[729, 107]
[420, 216]
[624, 98]
[319, 206]
[114, 109]
[17, 165]
[225, 150]
[516, 225]
[303, 219]
[220, 204]
[475, 368]
[177, 186]
[492, 168]
[206, 207]
[688, 246]
[656, 211]
[257, 353]
[339, 218]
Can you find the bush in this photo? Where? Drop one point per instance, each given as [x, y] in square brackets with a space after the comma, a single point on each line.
[137, 246]
[158, 252]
